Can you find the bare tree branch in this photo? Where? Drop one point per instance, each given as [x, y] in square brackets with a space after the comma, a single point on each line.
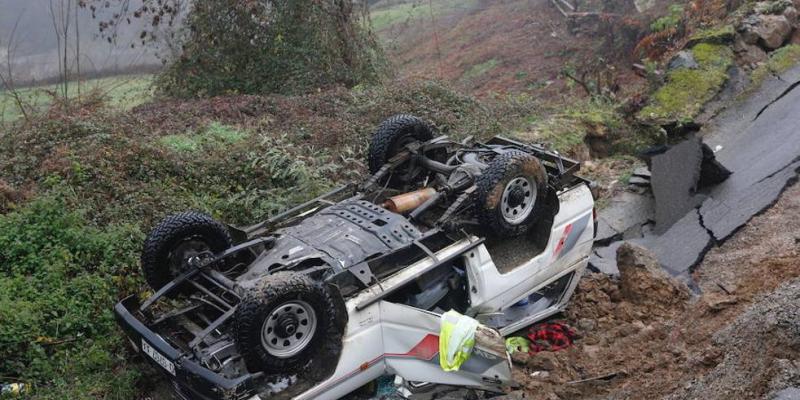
[7, 79]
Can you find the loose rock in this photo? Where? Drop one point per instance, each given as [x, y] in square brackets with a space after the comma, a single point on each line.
[791, 15]
[749, 54]
[544, 361]
[773, 30]
[719, 301]
[684, 59]
[643, 281]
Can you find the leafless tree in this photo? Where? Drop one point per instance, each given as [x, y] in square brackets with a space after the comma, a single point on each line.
[61, 18]
[7, 75]
[78, 51]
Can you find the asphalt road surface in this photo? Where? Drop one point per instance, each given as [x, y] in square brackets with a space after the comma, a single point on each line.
[759, 141]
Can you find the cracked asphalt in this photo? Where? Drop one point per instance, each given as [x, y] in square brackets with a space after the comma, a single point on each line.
[760, 142]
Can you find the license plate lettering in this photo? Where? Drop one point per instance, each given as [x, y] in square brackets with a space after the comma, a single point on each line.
[158, 357]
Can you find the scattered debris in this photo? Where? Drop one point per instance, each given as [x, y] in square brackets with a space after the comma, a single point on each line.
[639, 181]
[13, 389]
[552, 336]
[540, 374]
[667, 349]
[517, 344]
[642, 172]
[625, 212]
[712, 172]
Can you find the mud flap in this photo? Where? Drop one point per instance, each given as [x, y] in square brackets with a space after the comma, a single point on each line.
[411, 340]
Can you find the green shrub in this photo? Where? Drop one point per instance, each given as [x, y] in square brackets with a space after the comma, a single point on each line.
[669, 21]
[59, 279]
[243, 46]
[686, 91]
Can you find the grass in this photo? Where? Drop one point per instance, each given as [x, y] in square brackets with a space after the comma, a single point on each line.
[387, 17]
[779, 61]
[717, 35]
[686, 91]
[119, 92]
[478, 70]
[566, 128]
[214, 135]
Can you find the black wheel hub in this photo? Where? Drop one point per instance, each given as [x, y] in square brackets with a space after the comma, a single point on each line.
[286, 326]
[516, 197]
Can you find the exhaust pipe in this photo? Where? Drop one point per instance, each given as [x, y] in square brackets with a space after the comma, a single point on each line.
[406, 202]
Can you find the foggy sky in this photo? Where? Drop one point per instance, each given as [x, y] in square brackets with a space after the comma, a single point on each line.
[35, 47]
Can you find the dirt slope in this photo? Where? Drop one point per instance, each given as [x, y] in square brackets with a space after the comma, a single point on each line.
[739, 339]
[509, 45]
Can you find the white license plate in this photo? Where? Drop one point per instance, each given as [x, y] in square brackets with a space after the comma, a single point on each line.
[158, 357]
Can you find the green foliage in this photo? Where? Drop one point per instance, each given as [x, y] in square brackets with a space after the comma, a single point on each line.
[477, 70]
[717, 35]
[712, 56]
[669, 21]
[243, 46]
[59, 279]
[688, 90]
[284, 180]
[386, 17]
[779, 61]
[214, 135]
[567, 129]
[119, 92]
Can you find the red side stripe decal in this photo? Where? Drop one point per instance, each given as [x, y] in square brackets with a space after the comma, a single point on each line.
[426, 349]
[563, 240]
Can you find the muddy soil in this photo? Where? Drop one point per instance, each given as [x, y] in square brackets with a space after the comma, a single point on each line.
[739, 339]
[502, 46]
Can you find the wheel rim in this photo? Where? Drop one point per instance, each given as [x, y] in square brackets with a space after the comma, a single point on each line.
[518, 199]
[288, 329]
[185, 250]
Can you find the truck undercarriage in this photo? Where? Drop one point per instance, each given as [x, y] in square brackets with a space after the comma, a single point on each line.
[329, 295]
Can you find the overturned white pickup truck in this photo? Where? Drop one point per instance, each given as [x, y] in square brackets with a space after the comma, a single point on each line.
[321, 299]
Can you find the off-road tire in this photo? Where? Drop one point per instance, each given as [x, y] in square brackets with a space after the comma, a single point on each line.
[491, 184]
[169, 233]
[390, 134]
[321, 354]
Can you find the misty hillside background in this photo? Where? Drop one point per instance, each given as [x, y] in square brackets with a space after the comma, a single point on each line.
[33, 48]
